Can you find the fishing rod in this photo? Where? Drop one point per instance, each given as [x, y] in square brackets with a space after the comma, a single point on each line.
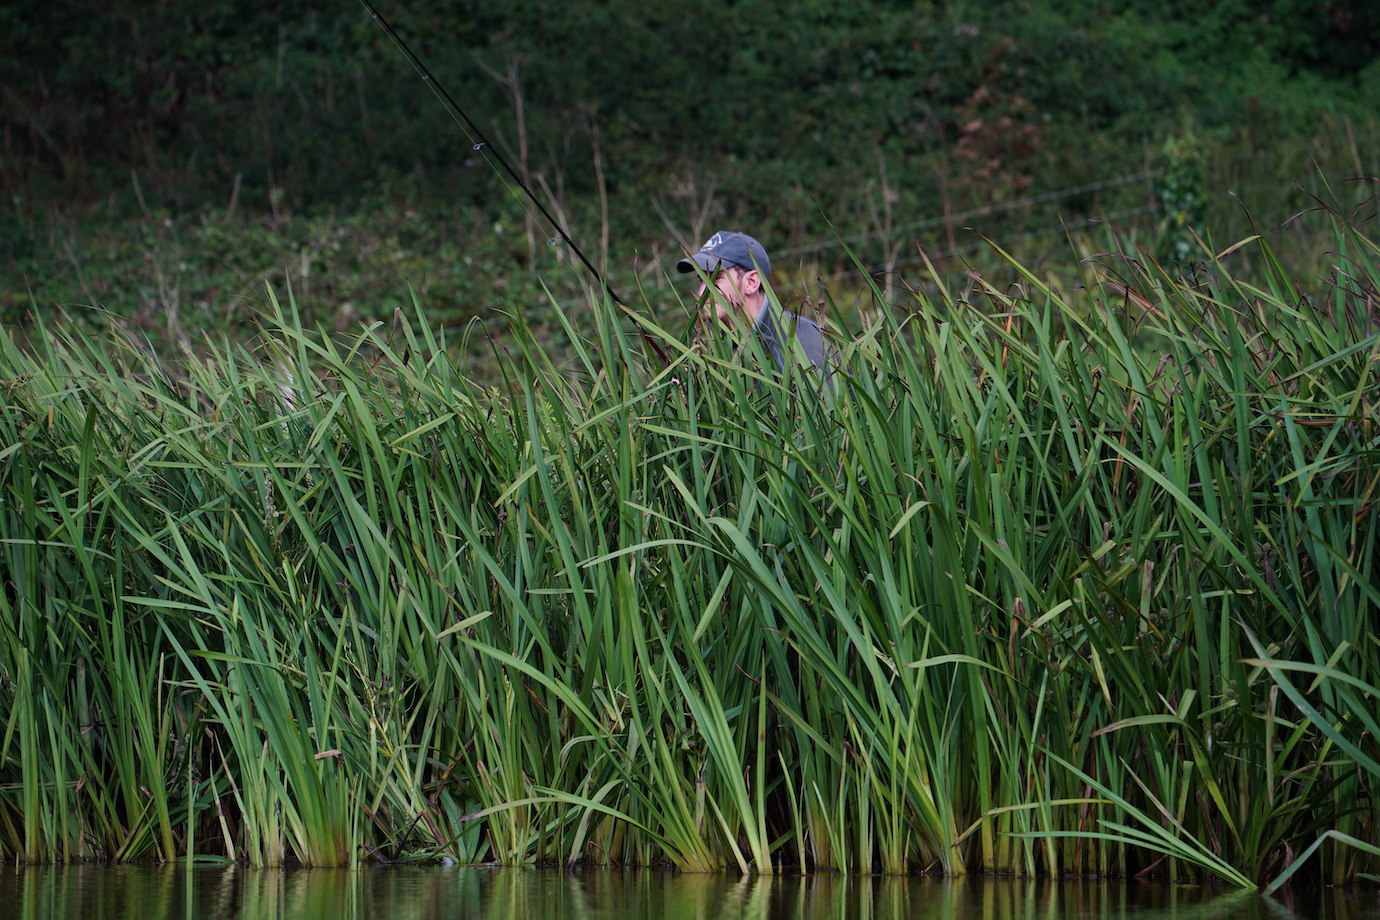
[482, 142]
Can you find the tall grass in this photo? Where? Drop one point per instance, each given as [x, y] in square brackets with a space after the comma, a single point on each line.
[1009, 594]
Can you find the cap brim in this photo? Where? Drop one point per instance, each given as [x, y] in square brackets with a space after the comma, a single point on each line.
[706, 261]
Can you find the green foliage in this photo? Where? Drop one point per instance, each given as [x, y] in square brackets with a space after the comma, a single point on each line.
[987, 604]
[301, 120]
[1182, 200]
[179, 279]
[316, 101]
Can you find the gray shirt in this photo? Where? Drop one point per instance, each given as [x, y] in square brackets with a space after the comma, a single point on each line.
[771, 322]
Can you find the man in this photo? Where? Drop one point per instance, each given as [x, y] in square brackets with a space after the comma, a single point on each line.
[739, 267]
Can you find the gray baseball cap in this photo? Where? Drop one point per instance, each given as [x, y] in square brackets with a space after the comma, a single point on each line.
[728, 247]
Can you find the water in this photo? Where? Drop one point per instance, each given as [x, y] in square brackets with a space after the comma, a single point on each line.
[235, 893]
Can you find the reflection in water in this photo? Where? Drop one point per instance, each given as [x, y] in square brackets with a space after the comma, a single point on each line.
[235, 893]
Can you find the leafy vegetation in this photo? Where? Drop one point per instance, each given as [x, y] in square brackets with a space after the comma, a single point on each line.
[1044, 581]
[160, 160]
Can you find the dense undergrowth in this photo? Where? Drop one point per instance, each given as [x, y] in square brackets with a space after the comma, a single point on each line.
[159, 162]
[176, 277]
[1040, 582]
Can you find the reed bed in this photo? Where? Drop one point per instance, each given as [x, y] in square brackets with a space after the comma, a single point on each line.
[1041, 582]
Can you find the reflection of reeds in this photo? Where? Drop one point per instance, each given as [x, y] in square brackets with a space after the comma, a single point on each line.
[989, 588]
[143, 893]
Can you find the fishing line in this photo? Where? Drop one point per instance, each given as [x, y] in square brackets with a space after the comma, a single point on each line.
[482, 145]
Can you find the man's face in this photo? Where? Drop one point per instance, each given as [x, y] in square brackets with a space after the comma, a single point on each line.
[732, 287]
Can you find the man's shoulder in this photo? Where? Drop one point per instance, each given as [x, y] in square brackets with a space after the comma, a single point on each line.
[790, 317]
[809, 334]
[800, 322]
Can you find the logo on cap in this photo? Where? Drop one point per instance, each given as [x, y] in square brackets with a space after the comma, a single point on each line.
[728, 247]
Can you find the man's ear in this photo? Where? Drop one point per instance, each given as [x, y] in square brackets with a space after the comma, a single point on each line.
[752, 282]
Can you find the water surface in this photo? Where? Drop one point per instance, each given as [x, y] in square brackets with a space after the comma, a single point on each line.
[432, 893]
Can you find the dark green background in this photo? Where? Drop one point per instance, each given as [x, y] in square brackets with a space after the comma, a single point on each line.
[785, 110]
